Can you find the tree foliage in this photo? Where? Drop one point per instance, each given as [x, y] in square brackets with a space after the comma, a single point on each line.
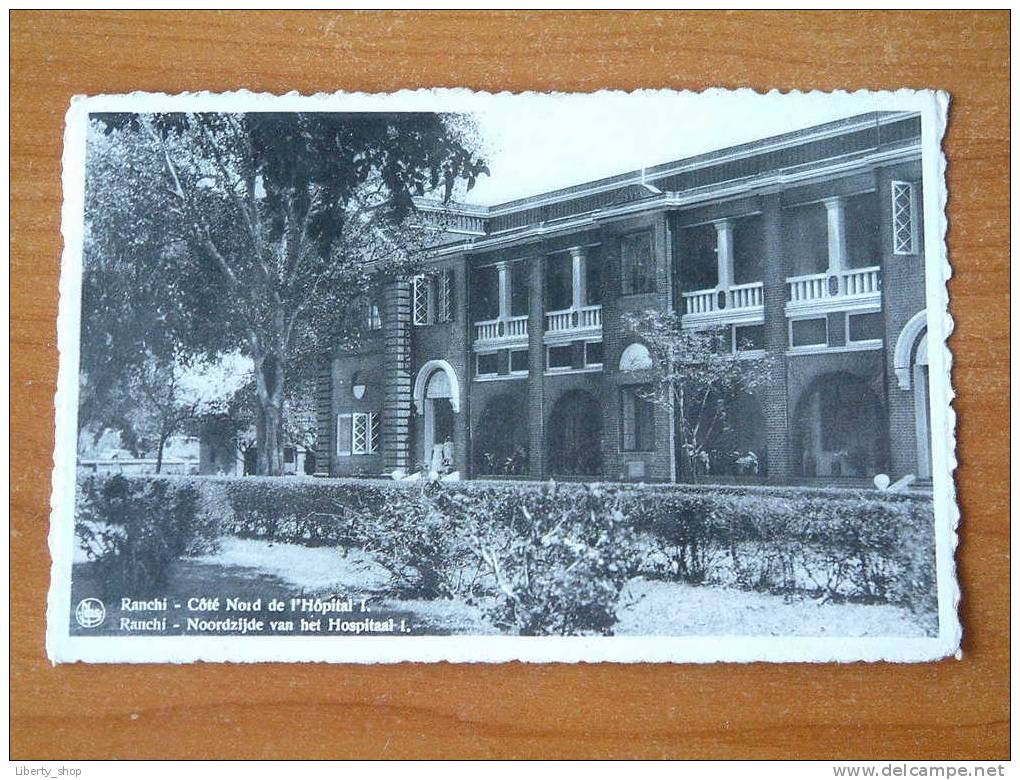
[262, 231]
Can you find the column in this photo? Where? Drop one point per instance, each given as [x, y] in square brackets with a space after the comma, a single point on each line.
[724, 252]
[503, 270]
[835, 210]
[579, 277]
[536, 366]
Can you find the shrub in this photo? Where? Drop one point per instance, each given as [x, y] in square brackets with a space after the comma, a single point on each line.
[558, 560]
[417, 536]
[545, 558]
[133, 529]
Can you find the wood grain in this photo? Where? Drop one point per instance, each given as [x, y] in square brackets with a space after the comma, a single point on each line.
[954, 709]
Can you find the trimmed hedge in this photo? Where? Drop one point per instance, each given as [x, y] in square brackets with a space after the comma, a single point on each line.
[499, 539]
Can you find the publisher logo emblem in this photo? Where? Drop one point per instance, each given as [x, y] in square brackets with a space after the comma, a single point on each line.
[90, 613]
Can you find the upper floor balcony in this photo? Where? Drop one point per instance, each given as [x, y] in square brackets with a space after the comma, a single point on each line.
[835, 290]
[502, 332]
[583, 321]
[503, 295]
[739, 303]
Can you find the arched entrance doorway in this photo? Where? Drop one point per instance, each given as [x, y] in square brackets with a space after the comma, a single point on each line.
[437, 401]
[501, 441]
[574, 434]
[922, 408]
[910, 361]
[840, 428]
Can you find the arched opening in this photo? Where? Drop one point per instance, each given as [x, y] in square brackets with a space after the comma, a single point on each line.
[910, 361]
[738, 443]
[922, 408]
[438, 428]
[574, 434]
[500, 445]
[635, 357]
[839, 428]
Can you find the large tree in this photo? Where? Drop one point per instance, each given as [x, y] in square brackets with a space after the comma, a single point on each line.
[276, 224]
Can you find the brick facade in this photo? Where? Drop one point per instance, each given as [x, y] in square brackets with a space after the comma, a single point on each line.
[887, 284]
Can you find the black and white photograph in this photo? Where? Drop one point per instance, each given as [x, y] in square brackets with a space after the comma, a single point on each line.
[442, 375]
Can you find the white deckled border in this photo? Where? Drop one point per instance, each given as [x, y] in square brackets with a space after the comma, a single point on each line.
[61, 647]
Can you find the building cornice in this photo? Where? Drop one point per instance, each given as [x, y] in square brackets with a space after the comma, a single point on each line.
[835, 167]
[648, 176]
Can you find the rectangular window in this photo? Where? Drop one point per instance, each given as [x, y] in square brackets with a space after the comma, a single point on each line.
[593, 275]
[487, 364]
[809, 333]
[592, 353]
[559, 281]
[862, 231]
[560, 357]
[484, 293]
[519, 361]
[637, 263]
[421, 303]
[638, 412]
[806, 239]
[698, 264]
[444, 296]
[748, 250]
[518, 289]
[748, 337]
[364, 433]
[864, 327]
[904, 218]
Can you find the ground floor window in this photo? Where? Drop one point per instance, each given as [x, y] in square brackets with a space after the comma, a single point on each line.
[638, 419]
[364, 433]
[576, 356]
[866, 327]
[809, 333]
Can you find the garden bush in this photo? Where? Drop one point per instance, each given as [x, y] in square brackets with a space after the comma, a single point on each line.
[133, 529]
[549, 558]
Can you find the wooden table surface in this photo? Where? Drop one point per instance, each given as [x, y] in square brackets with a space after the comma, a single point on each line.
[953, 709]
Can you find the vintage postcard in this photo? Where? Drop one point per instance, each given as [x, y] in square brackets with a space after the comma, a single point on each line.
[442, 375]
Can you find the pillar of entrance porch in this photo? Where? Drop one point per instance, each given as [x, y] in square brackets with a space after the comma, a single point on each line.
[774, 396]
[724, 254]
[536, 366]
[580, 278]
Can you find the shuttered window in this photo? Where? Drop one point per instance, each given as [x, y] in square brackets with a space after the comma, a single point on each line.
[343, 434]
[444, 296]
[904, 218]
[638, 419]
[421, 303]
[364, 433]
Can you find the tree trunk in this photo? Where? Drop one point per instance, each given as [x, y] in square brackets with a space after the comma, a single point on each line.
[269, 427]
[159, 453]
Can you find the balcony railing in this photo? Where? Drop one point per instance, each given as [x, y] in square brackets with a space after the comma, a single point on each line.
[825, 291]
[511, 329]
[738, 303]
[587, 318]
